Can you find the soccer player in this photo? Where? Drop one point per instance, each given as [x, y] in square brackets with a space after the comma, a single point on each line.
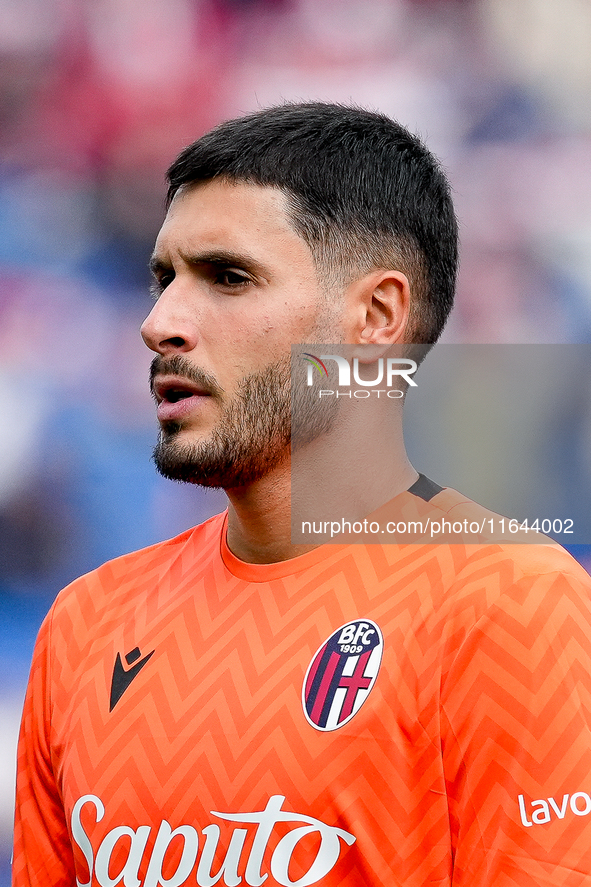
[229, 707]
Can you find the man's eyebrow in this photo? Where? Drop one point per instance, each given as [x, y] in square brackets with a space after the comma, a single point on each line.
[221, 257]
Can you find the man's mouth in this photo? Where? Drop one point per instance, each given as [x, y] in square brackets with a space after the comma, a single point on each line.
[173, 389]
[176, 398]
[173, 395]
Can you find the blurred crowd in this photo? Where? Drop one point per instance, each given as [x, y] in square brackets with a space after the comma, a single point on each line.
[98, 96]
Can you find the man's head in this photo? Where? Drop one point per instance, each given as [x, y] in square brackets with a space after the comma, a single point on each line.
[304, 223]
[362, 191]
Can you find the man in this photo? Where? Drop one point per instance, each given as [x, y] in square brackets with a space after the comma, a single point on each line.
[232, 707]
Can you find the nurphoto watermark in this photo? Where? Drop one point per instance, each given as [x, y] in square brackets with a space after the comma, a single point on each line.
[499, 436]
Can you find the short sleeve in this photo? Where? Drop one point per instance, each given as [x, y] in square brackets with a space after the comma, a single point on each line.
[516, 738]
[42, 848]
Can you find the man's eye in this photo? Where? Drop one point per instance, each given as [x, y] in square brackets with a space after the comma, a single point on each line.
[230, 278]
[159, 284]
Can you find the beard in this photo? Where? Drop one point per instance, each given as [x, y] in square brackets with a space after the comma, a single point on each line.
[250, 438]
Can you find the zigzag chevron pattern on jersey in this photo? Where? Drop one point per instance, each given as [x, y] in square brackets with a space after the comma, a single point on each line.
[480, 715]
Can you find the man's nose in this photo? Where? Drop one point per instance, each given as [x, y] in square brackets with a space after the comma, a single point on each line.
[171, 325]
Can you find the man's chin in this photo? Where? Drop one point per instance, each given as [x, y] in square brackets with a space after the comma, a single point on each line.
[179, 461]
[206, 467]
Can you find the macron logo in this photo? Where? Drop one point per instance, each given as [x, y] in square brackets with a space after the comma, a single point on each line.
[122, 677]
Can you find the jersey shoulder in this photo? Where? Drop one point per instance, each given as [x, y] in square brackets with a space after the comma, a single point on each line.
[529, 553]
[143, 569]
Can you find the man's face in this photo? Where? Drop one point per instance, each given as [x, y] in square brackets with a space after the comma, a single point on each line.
[236, 288]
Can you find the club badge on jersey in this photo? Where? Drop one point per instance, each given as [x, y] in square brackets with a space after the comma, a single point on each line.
[341, 674]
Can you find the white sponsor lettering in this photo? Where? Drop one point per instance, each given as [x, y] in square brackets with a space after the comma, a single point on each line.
[229, 867]
[541, 811]
[546, 809]
[574, 806]
[522, 812]
[560, 811]
[129, 872]
[98, 864]
[154, 876]
[80, 836]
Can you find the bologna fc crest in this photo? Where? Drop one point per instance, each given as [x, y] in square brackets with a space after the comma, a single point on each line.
[341, 674]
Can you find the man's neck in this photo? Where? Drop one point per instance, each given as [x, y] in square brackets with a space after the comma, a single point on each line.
[259, 518]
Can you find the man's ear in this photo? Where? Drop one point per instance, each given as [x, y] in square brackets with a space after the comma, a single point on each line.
[380, 306]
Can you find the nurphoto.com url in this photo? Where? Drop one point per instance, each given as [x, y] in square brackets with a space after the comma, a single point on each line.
[433, 529]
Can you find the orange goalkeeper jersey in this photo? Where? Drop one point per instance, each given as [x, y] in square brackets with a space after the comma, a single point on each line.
[399, 715]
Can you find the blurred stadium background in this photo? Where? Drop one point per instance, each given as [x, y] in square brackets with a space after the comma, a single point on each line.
[98, 96]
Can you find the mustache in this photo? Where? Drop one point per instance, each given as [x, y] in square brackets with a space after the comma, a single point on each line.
[182, 367]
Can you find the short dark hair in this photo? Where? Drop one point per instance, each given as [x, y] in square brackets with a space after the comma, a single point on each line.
[363, 193]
